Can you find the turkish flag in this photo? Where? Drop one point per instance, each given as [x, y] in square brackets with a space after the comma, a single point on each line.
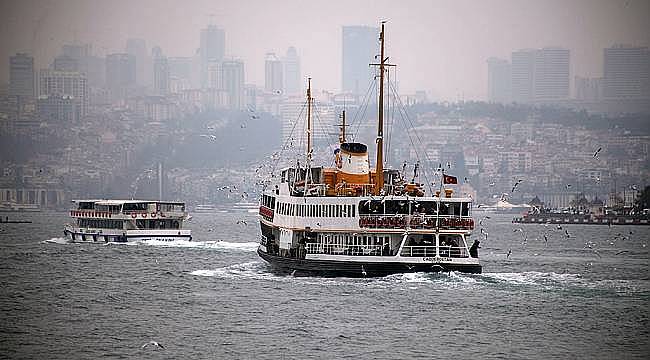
[448, 179]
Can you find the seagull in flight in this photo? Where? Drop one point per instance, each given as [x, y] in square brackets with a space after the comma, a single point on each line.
[597, 151]
[509, 253]
[515, 185]
[153, 343]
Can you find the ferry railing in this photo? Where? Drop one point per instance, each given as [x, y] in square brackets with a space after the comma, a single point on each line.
[345, 189]
[430, 251]
[338, 249]
[399, 221]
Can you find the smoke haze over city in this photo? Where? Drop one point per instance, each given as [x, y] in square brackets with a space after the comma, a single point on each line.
[439, 46]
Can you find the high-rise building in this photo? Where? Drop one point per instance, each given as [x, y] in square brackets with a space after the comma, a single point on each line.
[215, 80]
[65, 63]
[120, 75]
[523, 65]
[551, 74]
[273, 74]
[138, 49]
[626, 72]
[540, 75]
[65, 85]
[233, 82]
[160, 72]
[21, 75]
[213, 47]
[360, 45]
[77, 51]
[499, 80]
[588, 89]
[292, 81]
[59, 109]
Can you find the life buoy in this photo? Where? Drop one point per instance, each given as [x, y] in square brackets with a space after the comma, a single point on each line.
[153, 215]
[134, 215]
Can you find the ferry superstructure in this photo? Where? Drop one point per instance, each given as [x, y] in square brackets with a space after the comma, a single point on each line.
[127, 221]
[351, 220]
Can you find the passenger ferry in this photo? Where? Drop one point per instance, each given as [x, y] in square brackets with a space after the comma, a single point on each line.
[127, 221]
[351, 220]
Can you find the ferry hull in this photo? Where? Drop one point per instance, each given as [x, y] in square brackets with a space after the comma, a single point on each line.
[359, 268]
[82, 237]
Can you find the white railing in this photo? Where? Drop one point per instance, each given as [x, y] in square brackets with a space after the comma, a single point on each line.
[430, 251]
[416, 221]
[337, 249]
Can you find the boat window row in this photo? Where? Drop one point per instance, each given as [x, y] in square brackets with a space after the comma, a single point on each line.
[412, 207]
[85, 205]
[343, 244]
[135, 207]
[100, 223]
[142, 224]
[113, 209]
[317, 210]
[268, 201]
[171, 207]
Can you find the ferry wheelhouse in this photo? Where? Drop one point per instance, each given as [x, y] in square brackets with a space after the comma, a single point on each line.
[351, 220]
[127, 221]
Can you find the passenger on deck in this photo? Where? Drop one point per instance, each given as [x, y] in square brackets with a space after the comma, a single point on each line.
[473, 251]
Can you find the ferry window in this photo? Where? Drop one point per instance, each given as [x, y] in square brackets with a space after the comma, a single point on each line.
[428, 207]
[465, 209]
[444, 208]
[331, 211]
[454, 209]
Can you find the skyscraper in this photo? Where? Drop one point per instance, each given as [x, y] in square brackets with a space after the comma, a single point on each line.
[360, 45]
[273, 74]
[138, 49]
[499, 80]
[160, 72]
[213, 47]
[67, 84]
[233, 82]
[523, 65]
[66, 63]
[21, 75]
[292, 75]
[626, 72]
[540, 75]
[551, 74]
[120, 75]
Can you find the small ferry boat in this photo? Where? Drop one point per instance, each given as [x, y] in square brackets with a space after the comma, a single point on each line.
[351, 220]
[127, 221]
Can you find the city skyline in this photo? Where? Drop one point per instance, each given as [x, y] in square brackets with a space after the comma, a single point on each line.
[422, 36]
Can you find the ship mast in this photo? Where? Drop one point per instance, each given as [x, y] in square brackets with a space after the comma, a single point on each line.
[342, 136]
[379, 167]
[309, 100]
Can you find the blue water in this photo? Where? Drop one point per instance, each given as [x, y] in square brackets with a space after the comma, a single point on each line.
[214, 298]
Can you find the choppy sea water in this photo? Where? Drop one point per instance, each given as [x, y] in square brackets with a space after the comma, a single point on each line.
[582, 296]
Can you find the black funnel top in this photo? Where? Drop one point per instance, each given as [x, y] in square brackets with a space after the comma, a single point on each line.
[354, 148]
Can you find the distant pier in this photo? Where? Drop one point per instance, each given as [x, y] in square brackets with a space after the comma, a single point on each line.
[549, 218]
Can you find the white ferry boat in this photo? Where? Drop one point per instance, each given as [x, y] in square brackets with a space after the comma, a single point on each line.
[351, 220]
[127, 221]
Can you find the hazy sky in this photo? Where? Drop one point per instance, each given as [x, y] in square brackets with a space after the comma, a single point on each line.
[439, 46]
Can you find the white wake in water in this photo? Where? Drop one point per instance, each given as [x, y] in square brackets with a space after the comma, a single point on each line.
[253, 269]
[218, 245]
[57, 240]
